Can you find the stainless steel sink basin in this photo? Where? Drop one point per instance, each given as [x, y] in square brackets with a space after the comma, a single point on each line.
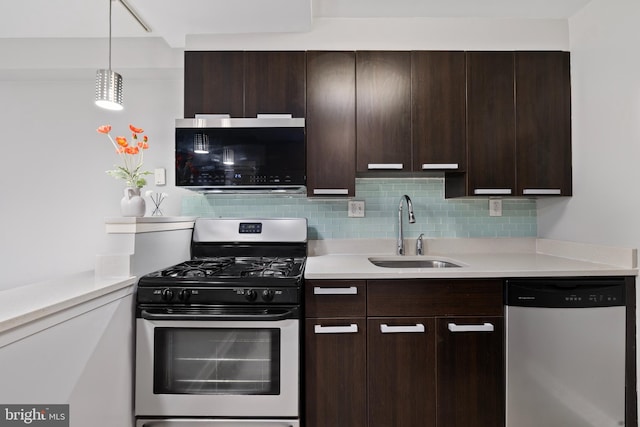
[412, 263]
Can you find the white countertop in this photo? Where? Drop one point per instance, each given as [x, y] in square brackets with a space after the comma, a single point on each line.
[478, 258]
[147, 224]
[25, 304]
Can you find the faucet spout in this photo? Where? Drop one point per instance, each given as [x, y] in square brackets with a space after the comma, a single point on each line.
[400, 246]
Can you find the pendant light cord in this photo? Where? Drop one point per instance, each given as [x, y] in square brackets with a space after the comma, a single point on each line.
[110, 5]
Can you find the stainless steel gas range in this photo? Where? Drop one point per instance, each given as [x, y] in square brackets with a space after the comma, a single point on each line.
[217, 341]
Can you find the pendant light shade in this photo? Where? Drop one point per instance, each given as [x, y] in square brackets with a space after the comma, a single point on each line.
[109, 90]
[108, 82]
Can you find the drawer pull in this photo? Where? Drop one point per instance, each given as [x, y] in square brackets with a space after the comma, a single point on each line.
[486, 327]
[351, 290]
[351, 329]
[492, 191]
[432, 166]
[541, 191]
[331, 191]
[374, 166]
[386, 329]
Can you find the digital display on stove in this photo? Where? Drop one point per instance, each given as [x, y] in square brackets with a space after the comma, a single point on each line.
[250, 228]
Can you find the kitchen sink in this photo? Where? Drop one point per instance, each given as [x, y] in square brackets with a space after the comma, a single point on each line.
[399, 262]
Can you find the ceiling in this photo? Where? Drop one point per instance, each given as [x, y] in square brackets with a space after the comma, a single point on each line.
[174, 19]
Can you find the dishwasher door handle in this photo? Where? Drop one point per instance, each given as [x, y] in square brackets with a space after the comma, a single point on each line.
[485, 327]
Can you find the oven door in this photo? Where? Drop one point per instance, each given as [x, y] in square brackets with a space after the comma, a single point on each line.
[219, 367]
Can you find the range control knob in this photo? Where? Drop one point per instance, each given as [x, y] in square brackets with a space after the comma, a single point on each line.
[184, 295]
[267, 295]
[250, 295]
[167, 294]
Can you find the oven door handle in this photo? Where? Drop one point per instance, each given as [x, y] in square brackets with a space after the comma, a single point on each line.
[292, 313]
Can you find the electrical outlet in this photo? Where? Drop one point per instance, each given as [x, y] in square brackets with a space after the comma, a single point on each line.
[495, 207]
[356, 209]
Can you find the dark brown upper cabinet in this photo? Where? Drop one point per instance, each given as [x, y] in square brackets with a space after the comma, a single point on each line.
[491, 123]
[244, 84]
[518, 126]
[275, 83]
[213, 83]
[438, 91]
[383, 110]
[331, 124]
[543, 123]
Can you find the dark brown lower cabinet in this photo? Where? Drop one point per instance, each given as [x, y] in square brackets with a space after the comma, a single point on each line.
[420, 353]
[401, 372]
[470, 372]
[335, 372]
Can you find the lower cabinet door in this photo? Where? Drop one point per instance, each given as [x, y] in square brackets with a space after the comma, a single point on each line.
[401, 372]
[335, 373]
[470, 372]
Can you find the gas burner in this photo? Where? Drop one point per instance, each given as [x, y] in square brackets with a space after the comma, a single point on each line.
[198, 268]
[235, 267]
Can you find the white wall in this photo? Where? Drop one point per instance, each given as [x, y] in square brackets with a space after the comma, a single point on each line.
[54, 193]
[605, 55]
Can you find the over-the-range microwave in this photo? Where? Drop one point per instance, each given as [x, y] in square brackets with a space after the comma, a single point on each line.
[241, 154]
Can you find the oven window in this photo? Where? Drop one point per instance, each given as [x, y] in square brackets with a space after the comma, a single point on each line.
[216, 361]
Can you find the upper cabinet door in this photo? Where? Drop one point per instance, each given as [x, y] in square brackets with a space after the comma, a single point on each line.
[383, 105]
[275, 83]
[213, 83]
[543, 117]
[491, 126]
[331, 124]
[438, 110]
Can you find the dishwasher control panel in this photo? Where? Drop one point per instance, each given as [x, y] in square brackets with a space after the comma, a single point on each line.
[565, 293]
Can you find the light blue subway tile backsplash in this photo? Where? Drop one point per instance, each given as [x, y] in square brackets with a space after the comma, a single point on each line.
[435, 215]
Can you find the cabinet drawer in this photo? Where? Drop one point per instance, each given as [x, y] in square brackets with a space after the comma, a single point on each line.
[436, 297]
[332, 298]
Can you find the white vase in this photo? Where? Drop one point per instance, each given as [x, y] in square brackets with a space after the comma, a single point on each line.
[132, 204]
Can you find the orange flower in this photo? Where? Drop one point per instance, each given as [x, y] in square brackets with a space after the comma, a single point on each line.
[132, 150]
[131, 155]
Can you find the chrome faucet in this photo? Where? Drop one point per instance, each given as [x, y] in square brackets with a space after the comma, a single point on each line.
[420, 245]
[412, 219]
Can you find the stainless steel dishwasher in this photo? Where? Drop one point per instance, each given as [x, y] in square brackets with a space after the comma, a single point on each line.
[565, 352]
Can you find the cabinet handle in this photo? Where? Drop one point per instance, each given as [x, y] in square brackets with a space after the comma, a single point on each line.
[491, 191]
[386, 329]
[331, 191]
[485, 327]
[351, 329]
[541, 191]
[371, 166]
[429, 166]
[351, 290]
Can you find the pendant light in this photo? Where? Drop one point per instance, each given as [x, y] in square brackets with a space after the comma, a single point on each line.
[108, 82]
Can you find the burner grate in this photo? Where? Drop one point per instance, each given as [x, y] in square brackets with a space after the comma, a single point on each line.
[230, 267]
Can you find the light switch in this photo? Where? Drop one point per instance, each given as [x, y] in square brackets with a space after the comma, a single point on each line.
[160, 176]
